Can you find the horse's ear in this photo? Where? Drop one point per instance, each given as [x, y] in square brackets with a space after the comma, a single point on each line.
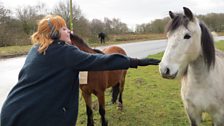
[188, 13]
[172, 15]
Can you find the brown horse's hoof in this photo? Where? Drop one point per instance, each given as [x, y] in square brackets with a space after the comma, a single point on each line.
[90, 124]
[120, 106]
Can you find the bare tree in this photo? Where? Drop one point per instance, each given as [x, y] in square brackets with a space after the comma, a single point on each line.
[118, 27]
[156, 26]
[108, 25]
[4, 14]
[115, 26]
[62, 9]
[4, 19]
[214, 21]
[82, 27]
[41, 9]
[27, 15]
[97, 26]
[143, 28]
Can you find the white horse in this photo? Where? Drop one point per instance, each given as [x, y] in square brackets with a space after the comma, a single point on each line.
[190, 55]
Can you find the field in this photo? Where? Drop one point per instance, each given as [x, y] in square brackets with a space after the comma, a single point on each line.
[13, 51]
[149, 100]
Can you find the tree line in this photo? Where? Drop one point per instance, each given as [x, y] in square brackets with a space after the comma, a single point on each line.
[214, 21]
[17, 25]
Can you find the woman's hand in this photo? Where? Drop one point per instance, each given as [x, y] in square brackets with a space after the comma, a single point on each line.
[134, 62]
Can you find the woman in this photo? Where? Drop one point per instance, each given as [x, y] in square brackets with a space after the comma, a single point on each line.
[47, 91]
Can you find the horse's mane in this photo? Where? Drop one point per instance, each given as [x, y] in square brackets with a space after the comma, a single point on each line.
[207, 44]
[98, 51]
[75, 39]
[207, 41]
[79, 40]
[177, 21]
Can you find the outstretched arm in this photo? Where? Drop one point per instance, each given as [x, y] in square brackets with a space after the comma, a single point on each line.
[83, 61]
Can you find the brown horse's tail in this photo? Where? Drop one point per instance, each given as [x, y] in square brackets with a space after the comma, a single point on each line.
[115, 92]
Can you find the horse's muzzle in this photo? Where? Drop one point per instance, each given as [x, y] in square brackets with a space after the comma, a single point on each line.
[167, 74]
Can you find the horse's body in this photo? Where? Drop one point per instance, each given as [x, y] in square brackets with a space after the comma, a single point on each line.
[99, 81]
[102, 37]
[191, 55]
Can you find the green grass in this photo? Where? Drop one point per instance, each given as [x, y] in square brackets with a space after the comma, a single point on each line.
[220, 45]
[149, 100]
[12, 51]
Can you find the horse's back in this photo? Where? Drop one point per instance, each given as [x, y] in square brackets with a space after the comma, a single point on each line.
[113, 50]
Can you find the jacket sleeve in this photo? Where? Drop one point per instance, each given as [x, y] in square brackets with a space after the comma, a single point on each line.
[83, 61]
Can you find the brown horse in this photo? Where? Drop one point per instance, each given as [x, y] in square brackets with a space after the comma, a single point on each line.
[99, 81]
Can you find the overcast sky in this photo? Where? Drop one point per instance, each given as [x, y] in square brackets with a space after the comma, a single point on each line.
[131, 12]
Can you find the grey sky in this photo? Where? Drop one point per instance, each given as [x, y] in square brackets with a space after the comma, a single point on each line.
[131, 12]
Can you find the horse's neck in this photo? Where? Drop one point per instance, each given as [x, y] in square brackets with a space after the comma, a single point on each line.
[86, 49]
[197, 71]
[198, 66]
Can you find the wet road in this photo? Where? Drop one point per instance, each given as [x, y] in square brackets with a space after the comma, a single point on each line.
[143, 49]
[9, 74]
[9, 68]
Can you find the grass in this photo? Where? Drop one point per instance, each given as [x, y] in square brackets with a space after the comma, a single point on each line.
[12, 51]
[220, 45]
[220, 33]
[149, 100]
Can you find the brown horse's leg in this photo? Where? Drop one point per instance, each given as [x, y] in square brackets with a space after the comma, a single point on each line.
[102, 112]
[89, 111]
[115, 92]
[121, 89]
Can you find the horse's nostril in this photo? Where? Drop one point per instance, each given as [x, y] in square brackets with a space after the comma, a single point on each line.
[167, 72]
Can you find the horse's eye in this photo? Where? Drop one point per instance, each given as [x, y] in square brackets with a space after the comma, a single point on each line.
[187, 36]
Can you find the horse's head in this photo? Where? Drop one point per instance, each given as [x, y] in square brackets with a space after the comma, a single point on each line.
[80, 43]
[185, 34]
[77, 41]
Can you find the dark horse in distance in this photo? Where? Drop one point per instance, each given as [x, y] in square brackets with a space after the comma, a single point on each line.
[99, 81]
[102, 37]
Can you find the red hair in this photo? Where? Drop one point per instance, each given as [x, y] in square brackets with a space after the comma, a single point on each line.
[42, 35]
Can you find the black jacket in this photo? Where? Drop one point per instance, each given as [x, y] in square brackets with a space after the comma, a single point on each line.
[47, 92]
